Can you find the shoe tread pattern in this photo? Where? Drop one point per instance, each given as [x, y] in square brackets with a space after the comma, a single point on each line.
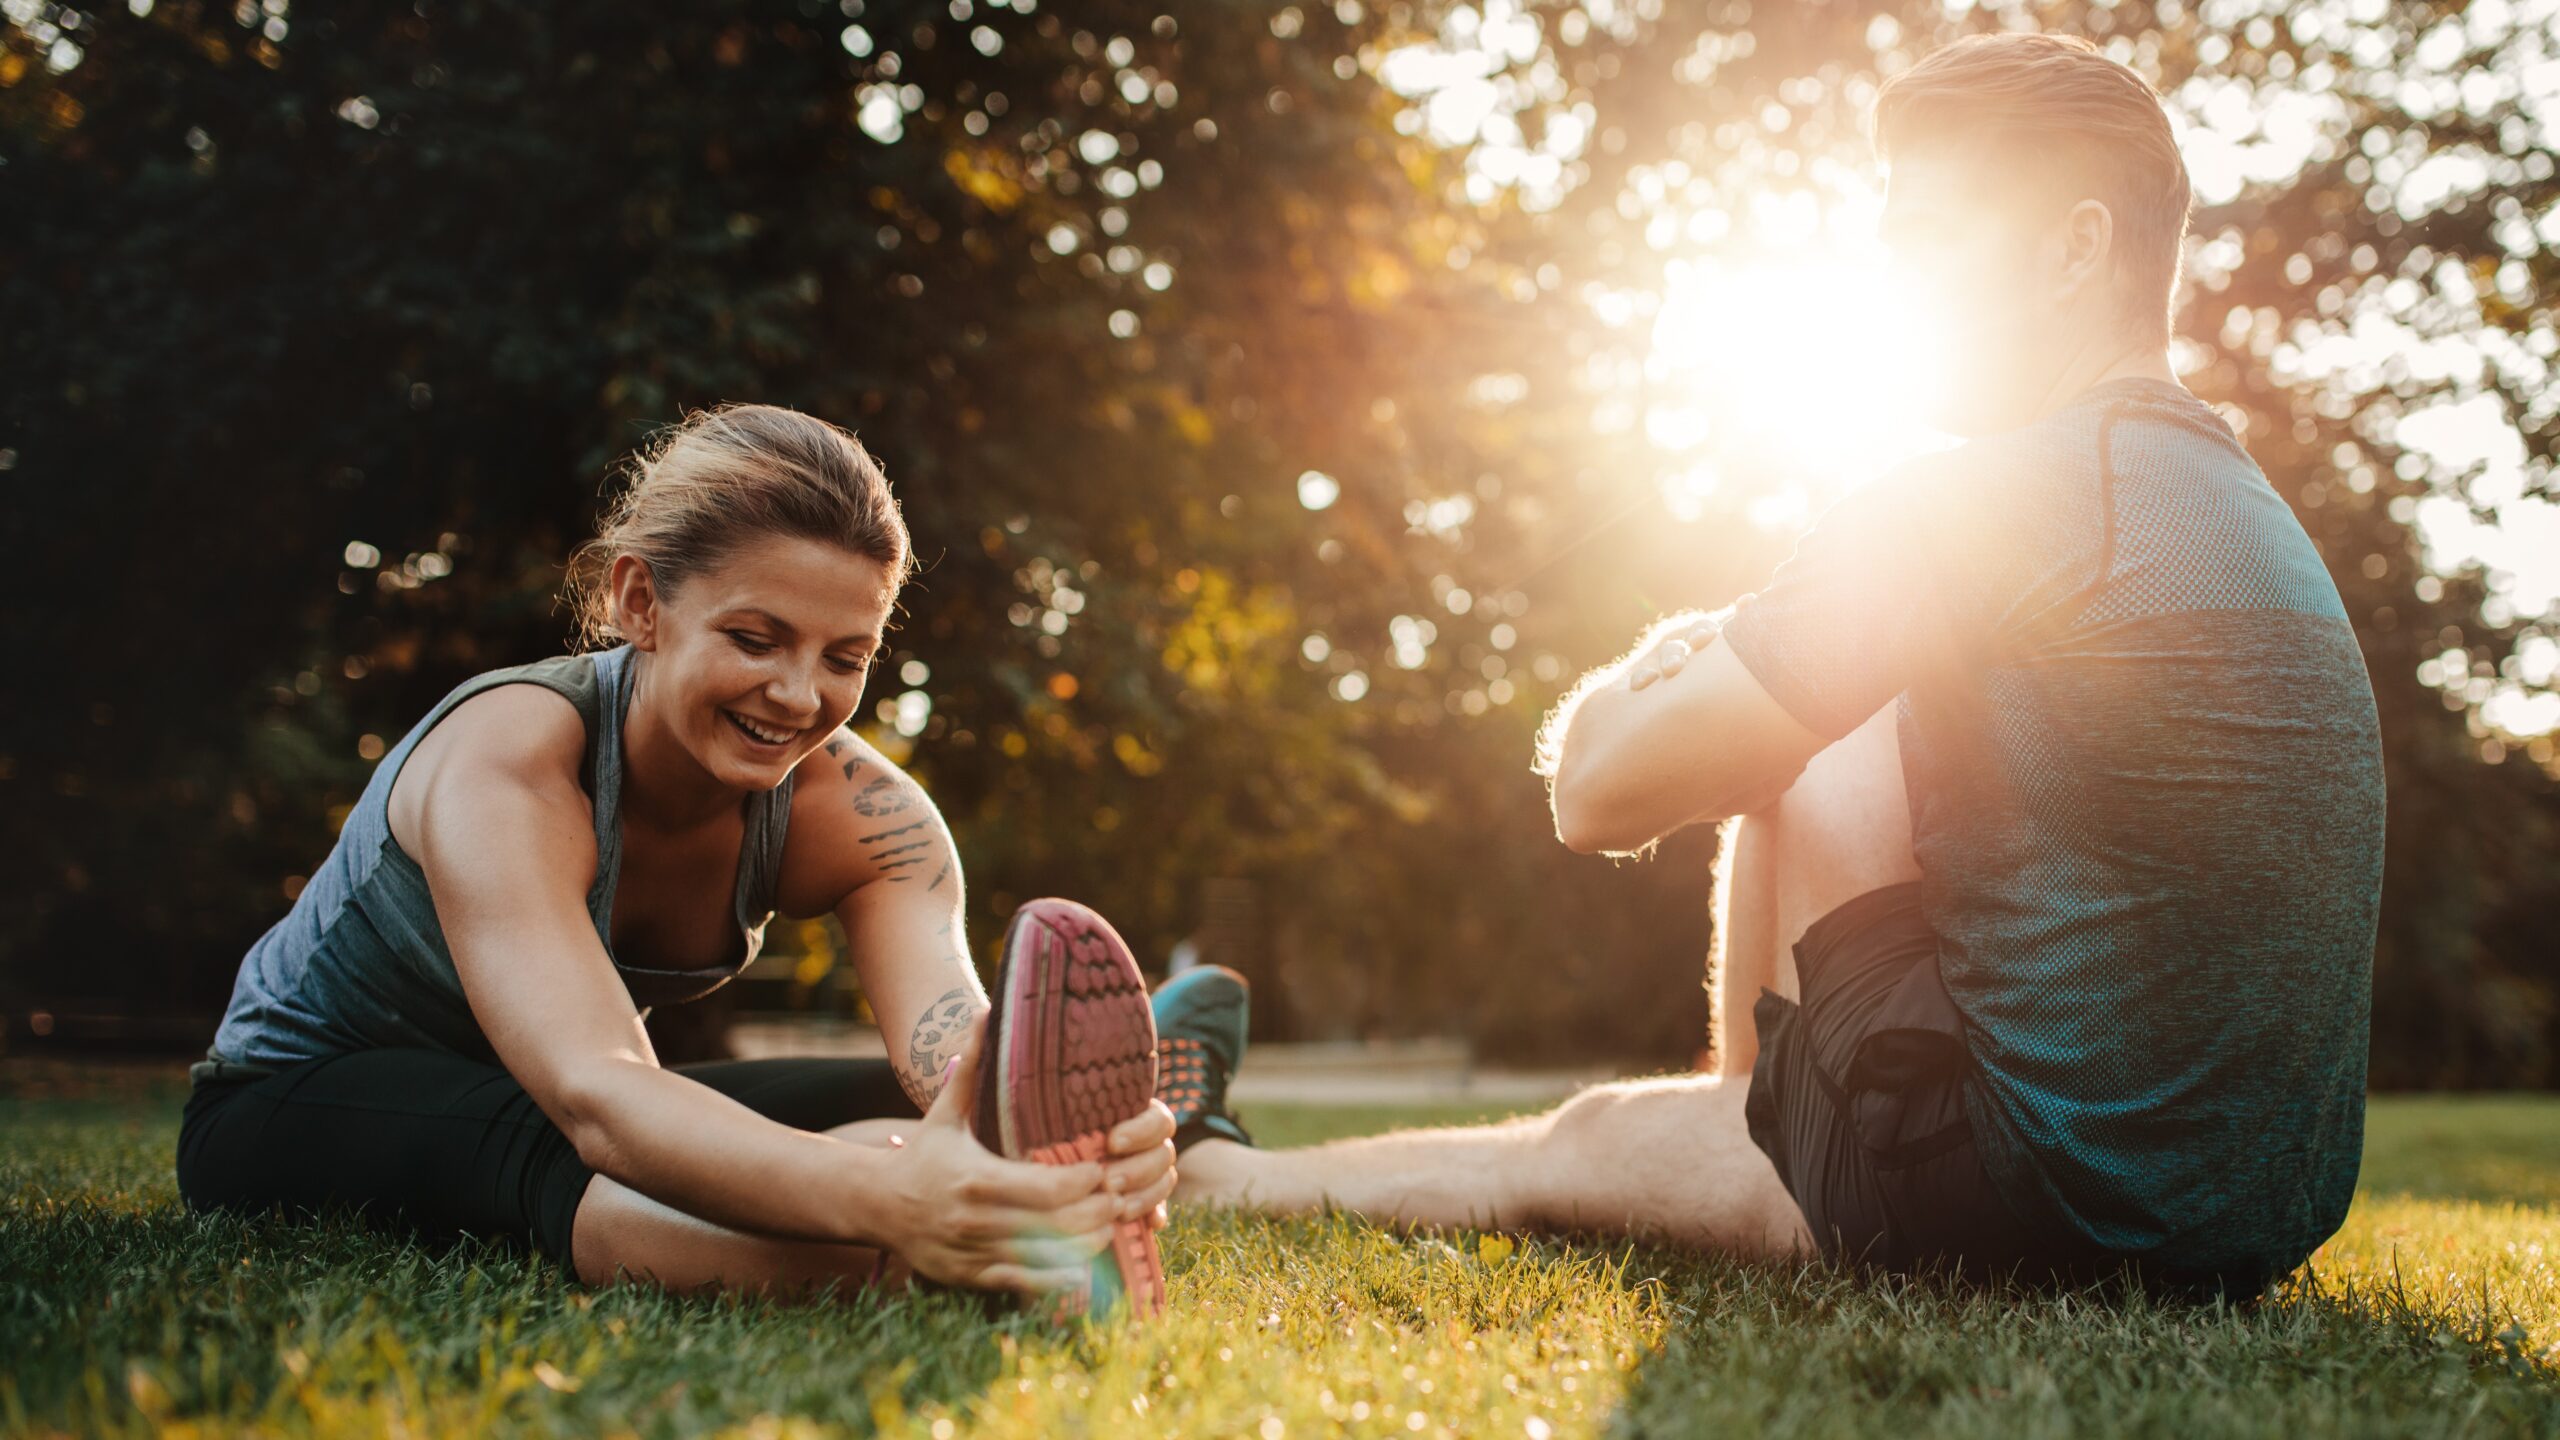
[1080, 1049]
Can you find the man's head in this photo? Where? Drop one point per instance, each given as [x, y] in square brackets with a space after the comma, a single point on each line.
[2035, 208]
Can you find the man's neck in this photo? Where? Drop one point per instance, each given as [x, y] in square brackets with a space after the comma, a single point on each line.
[2097, 363]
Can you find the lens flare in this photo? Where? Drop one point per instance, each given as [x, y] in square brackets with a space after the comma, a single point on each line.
[1782, 383]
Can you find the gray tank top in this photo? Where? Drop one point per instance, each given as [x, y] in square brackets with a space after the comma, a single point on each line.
[360, 963]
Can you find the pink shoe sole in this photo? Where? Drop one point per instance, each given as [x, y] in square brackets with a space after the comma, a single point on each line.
[1073, 1039]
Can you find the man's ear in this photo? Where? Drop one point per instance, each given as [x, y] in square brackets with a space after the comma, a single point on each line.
[2083, 247]
[634, 595]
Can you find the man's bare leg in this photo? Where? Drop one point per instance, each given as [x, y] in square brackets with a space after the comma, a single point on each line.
[1671, 1158]
[1843, 829]
[1746, 955]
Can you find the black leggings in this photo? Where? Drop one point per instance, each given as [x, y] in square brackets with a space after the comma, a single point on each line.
[446, 1146]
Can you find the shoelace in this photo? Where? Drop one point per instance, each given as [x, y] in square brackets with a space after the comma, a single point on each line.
[1182, 1077]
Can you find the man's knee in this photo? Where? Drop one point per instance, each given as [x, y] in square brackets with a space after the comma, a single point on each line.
[1604, 1128]
[1672, 1158]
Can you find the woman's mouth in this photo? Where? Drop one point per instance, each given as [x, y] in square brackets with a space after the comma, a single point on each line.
[760, 735]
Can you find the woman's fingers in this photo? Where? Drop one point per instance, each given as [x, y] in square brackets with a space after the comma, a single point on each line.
[1022, 1185]
[1028, 1280]
[1094, 1212]
[1148, 1198]
[959, 1091]
[1128, 1172]
[1145, 1130]
[1052, 1251]
[1139, 1181]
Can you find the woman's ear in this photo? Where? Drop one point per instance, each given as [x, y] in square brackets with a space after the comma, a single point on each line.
[633, 596]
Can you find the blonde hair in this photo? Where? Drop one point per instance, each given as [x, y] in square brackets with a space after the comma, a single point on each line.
[703, 489]
[2072, 124]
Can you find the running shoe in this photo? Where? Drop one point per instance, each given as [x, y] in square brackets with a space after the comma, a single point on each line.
[1073, 1049]
[1201, 1015]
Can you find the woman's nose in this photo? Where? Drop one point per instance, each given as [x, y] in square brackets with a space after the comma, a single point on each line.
[794, 690]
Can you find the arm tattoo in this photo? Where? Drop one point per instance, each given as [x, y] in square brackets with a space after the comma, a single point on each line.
[886, 795]
[935, 1040]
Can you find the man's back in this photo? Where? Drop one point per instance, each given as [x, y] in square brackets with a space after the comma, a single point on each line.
[2146, 792]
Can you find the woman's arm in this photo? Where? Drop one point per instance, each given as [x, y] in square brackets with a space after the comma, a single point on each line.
[506, 839]
[892, 863]
[886, 853]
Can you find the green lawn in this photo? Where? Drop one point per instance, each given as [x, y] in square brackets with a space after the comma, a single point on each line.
[2437, 1310]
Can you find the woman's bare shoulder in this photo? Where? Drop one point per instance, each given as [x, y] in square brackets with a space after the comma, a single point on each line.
[850, 774]
[849, 804]
[524, 734]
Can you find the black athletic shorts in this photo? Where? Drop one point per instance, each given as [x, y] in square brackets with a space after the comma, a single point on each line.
[445, 1146]
[1858, 1098]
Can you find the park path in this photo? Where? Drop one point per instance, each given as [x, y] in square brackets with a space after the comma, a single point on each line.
[1404, 1072]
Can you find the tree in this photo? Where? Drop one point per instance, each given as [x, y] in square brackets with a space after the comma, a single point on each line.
[1267, 454]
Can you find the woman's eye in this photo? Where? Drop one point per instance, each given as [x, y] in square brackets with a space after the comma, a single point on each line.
[748, 643]
[850, 667]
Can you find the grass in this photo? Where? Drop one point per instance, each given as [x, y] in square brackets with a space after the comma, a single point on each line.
[2436, 1310]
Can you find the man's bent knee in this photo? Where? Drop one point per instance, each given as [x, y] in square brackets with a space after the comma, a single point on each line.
[1671, 1158]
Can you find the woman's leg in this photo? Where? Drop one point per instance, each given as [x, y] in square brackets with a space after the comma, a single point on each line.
[450, 1146]
[622, 1234]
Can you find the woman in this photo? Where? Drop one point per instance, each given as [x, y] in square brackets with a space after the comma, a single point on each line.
[447, 1027]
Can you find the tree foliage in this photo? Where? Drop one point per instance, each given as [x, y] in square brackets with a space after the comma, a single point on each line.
[325, 329]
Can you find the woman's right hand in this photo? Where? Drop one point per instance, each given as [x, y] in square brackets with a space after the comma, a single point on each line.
[963, 1215]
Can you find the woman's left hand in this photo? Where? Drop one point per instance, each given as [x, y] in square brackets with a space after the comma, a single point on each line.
[1140, 1168]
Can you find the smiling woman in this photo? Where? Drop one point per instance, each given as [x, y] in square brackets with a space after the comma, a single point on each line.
[446, 1029]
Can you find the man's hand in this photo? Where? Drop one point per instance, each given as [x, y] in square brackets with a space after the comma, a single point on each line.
[1704, 742]
[1671, 652]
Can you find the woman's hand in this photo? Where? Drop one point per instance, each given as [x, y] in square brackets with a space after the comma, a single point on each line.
[965, 1216]
[1140, 1170]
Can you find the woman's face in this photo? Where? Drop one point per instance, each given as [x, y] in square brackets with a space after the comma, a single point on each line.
[756, 661]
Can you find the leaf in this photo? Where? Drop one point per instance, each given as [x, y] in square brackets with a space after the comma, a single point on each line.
[552, 1379]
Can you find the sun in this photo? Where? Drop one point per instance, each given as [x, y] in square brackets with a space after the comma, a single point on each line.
[1782, 384]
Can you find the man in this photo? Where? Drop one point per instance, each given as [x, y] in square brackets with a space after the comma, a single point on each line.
[2058, 885]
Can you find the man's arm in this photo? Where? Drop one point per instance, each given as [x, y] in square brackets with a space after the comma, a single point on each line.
[1643, 747]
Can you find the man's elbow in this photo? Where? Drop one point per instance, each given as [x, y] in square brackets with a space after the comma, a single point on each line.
[1622, 815]
[1584, 822]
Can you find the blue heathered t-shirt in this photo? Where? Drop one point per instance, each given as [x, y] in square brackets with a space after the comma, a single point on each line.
[2145, 778]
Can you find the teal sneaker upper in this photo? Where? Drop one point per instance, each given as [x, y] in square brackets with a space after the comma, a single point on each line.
[1201, 1018]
